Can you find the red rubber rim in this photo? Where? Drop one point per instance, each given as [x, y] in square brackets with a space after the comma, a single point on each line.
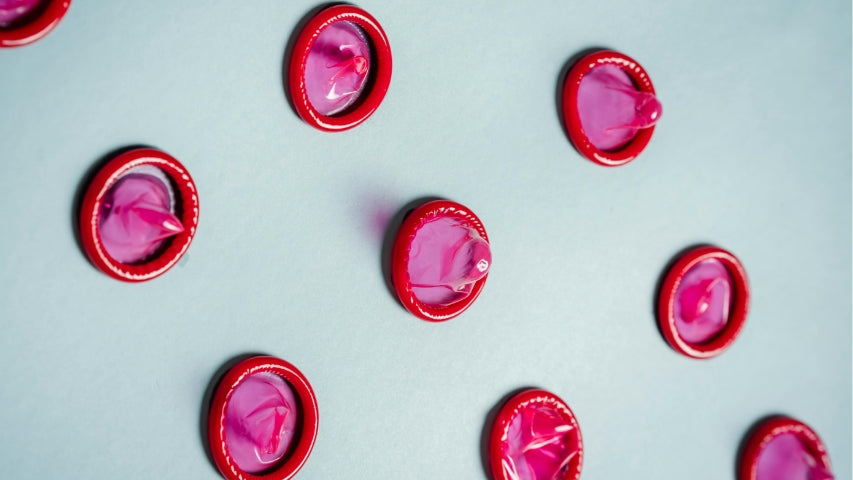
[571, 116]
[748, 468]
[37, 28]
[309, 424]
[187, 198]
[737, 315]
[400, 259]
[500, 430]
[378, 83]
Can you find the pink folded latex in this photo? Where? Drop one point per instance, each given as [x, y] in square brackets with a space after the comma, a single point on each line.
[260, 421]
[137, 216]
[702, 301]
[611, 109]
[14, 11]
[539, 445]
[786, 458]
[337, 67]
[446, 259]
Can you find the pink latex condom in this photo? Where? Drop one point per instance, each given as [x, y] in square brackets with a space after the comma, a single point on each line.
[783, 448]
[535, 437]
[23, 22]
[137, 215]
[703, 302]
[440, 260]
[609, 107]
[337, 67]
[16, 11]
[263, 420]
[260, 421]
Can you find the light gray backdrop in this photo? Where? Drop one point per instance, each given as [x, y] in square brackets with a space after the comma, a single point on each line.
[102, 379]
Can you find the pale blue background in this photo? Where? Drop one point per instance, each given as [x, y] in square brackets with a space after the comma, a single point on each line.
[100, 379]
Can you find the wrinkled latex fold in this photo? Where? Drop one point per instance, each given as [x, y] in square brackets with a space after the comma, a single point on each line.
[260, 421]
[446, 259]
[13, 12]
[703, 301]
[612, 110]
[337, 67]
[540, 445]
[786, 458]
[136, 217]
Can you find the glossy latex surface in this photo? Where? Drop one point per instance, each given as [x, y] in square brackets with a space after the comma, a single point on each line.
[702, 301]
[446, 259]
[540, 444]
[260, 421]
[15, 11]
[611, 108]
[337, 67]
[137, 215]
[785, 457]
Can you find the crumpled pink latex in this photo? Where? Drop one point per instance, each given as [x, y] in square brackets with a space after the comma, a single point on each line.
[12, 11]
[786, 458]
[446, 259]
[703, 301]
[612, 110]
[136, 217]
[260, 421]
[539, 444]
[337, 67]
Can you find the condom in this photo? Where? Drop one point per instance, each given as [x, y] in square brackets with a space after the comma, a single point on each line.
[14, 12]
[137, 215]
[783, 448]
[535, 437]
[260, 421]
[703, 302]
[23, 22]
[440, 260]
[337, 67]
[609, 107]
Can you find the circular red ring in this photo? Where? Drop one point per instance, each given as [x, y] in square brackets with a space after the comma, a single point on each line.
[748, 467]
[571, 116]
[378, 83]
[400, 259]
[89, 211]
[737, 315]
[500, 430]
[29, 32]
[310, 418]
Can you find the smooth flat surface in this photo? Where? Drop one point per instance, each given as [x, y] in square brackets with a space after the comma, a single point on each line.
[103, 380]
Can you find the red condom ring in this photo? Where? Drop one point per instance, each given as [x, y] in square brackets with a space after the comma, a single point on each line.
[766, 431]
[571, 116]
[400, 259]
[303, 442]
[737, 314]
[377, 84]
[48, 18]
[500, 430]
[187, 211]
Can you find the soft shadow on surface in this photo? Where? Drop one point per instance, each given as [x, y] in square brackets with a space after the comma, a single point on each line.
[288, 49]
[391, 235]
[745, 440]
[88, 176]
[486, 434]
[561, 81]
[662, 276]
[204, 412]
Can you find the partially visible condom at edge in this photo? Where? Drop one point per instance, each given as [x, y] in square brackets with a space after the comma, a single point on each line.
[137, 216]
[337, 67]
[446, 259]
[260, 421]
[785, 457]
[612, 110]
[15, 11]
[539, 446]
[703, 301]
